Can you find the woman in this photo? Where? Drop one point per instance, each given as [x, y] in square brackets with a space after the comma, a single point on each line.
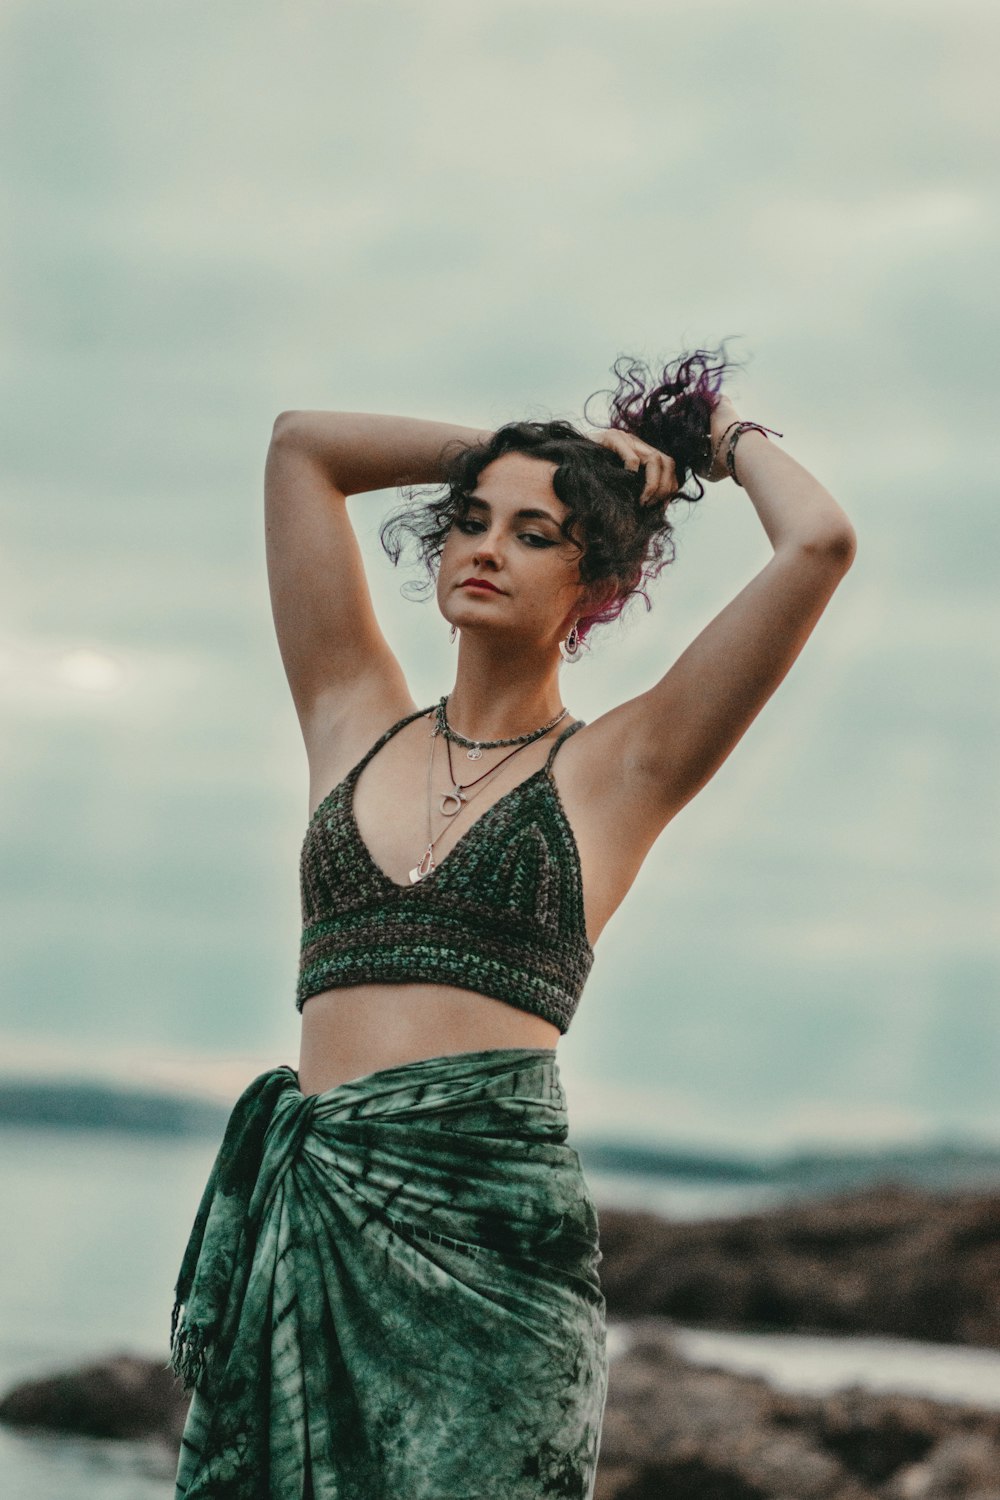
[391, 1288]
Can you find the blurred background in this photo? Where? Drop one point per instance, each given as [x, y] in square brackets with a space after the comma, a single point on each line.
[466, 212]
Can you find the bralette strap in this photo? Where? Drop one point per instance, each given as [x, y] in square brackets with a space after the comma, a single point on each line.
[384, 739]
[577, 724]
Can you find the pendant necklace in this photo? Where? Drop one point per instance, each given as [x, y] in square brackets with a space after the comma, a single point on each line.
[452, 802]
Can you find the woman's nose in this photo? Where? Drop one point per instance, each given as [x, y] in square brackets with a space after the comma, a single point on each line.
[487, 549]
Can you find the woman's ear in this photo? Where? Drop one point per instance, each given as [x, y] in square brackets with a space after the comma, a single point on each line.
[597, 595]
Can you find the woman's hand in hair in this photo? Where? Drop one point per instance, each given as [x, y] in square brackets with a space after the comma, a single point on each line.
[661, 474]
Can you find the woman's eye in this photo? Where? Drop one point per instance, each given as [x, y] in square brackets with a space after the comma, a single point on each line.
[468, 525]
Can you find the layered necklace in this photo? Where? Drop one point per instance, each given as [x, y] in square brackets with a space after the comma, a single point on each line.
[452, 802]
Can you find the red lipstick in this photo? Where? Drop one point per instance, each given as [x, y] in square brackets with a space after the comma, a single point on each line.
[479, 583]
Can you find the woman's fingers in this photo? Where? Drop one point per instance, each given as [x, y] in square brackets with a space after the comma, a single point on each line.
[660, 470]
[653, 479]
[624, 445]
[661, 478]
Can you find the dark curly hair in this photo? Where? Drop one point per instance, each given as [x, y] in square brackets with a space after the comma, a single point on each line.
[623, 544]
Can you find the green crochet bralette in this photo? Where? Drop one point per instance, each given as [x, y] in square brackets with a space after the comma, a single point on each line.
[502, 914]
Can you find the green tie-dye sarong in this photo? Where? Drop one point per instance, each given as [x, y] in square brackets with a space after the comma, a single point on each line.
[391, 1292]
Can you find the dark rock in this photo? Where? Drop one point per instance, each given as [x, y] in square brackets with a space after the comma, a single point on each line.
[122, 1396]
[677, 1431]
[886, 1260]
[962, 1465]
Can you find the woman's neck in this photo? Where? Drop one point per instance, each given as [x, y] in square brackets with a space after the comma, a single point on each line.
[496, 700]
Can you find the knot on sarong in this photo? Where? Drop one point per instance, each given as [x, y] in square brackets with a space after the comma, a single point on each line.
[289, 1124]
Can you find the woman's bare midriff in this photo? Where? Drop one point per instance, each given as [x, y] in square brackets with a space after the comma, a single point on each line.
[360, 1029]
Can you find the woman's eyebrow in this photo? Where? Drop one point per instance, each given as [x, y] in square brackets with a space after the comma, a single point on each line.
[534, 515]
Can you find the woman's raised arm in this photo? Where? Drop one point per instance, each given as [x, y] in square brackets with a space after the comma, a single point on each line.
[359, 451]
[675, 735]
[332, 648]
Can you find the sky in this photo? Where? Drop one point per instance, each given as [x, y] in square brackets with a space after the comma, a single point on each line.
[466, 213]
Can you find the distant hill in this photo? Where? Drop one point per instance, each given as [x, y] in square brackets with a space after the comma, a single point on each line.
[943, 1165]
[101, 1106]
[940, 1165]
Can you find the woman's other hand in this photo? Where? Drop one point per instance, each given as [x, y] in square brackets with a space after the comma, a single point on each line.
[661, 474]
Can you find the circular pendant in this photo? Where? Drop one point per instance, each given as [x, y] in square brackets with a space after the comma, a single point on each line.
[456, 799]
[474, 754]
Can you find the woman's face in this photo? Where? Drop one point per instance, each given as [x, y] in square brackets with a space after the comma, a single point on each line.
[510, 537]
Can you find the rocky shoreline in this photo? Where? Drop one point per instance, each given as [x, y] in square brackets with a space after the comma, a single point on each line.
[675, 1431]
[886, 1260]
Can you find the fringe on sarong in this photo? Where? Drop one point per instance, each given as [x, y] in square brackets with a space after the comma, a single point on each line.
[391, 1292]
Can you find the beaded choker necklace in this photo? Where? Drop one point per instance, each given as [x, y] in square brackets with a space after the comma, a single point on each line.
[476, 747]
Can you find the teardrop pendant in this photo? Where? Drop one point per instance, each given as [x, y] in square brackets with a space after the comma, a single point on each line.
[425, 866]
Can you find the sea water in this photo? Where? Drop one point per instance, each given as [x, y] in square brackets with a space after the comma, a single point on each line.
[90, 1247]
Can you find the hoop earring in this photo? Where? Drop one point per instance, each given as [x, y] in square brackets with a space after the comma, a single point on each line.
[453, 634]
[569, 649]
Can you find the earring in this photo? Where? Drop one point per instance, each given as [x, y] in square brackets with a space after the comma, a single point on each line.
[453, 634]
[570, 648]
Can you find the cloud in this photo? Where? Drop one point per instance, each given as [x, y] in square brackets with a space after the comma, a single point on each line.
[63, 678]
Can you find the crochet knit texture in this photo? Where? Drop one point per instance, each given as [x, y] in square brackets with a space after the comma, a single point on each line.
[502, 914]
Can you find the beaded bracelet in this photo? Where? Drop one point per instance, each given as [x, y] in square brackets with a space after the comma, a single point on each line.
[741, 428]
[713, 453]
